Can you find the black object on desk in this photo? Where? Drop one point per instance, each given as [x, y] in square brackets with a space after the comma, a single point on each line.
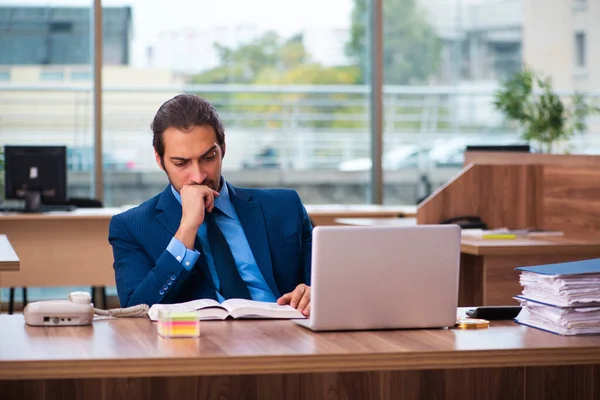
[494, 312]
[467, 222]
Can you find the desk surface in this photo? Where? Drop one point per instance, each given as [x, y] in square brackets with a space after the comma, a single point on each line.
[80, 213]
[131, 347]
[549, 245]
[9, 261]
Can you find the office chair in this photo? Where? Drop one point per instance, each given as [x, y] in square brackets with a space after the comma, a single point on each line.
[79, 202]
[11, 299]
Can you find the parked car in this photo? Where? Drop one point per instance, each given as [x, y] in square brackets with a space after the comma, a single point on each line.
[441, 153]
[400, 157]
[411, 156]
[268, 158]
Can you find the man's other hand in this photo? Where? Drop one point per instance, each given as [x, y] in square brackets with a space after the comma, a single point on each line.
[299, 299]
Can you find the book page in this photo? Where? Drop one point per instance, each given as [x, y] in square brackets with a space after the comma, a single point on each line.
[210, 308]
[240, 308]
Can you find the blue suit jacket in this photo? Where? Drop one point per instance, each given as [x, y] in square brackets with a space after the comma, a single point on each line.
[275, 223]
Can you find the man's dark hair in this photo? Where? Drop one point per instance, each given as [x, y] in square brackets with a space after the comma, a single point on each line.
[185, 111]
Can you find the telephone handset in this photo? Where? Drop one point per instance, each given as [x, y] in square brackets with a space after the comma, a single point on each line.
[77, 310]
[467, 222]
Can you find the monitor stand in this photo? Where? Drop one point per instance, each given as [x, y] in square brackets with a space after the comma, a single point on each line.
[33, 201]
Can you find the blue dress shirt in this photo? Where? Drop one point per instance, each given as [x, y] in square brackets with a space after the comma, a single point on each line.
[229, 223]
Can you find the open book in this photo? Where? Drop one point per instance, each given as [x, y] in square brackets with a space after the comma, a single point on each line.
[236, 308]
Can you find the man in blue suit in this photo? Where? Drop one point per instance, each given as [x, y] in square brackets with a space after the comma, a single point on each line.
[202, 237]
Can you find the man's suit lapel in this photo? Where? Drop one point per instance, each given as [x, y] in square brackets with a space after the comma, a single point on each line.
[168, 211]
[253, 222]
[169, 215]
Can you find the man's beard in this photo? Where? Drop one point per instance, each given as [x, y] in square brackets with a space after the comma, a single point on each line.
[207, 182]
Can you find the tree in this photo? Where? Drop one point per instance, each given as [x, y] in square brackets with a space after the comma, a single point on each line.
[312, 74]
[411, 48]
[271, 60]
[244, 63]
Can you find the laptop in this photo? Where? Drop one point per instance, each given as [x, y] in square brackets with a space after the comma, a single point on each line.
[384, 277]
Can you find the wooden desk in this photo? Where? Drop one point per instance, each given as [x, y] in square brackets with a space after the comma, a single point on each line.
[60, 248]
[9, 261]
[72, 249]
[126, 359]
[488, 266]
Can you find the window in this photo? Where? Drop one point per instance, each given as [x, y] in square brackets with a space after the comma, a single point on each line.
[60, 27]
[52, 76]
[81, 75]
[290, 86]
[580, 49]
[443, 60]
[38, 45]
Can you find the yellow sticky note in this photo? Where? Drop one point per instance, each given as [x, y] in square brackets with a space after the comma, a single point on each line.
[499, 236]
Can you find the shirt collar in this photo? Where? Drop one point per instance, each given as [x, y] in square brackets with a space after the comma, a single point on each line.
[222, 202]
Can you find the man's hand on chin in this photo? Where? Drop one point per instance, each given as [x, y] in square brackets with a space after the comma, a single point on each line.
[299, 298]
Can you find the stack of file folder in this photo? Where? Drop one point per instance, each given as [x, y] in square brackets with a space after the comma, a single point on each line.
[561, 298]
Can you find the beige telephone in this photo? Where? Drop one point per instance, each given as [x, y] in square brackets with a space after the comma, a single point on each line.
[78, 310]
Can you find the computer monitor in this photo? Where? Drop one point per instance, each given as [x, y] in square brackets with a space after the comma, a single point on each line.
[524, 148]
[37, 174]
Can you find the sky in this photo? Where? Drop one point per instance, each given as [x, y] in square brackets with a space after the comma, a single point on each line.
[151, 17]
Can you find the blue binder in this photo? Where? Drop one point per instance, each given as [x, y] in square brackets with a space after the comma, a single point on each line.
[567, 268]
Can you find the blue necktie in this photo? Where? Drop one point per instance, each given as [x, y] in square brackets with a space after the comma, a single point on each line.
[232, 285]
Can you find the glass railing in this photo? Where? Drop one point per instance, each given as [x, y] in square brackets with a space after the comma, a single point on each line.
[277, 136]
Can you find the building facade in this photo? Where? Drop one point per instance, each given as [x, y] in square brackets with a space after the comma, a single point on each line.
[61, 35]
[561, 39]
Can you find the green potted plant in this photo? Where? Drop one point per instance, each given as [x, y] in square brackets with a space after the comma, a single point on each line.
[528, 100]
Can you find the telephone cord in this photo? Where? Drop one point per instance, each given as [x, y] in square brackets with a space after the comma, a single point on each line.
[139, 310]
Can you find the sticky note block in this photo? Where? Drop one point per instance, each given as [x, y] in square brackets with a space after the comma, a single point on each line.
[178, 324]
